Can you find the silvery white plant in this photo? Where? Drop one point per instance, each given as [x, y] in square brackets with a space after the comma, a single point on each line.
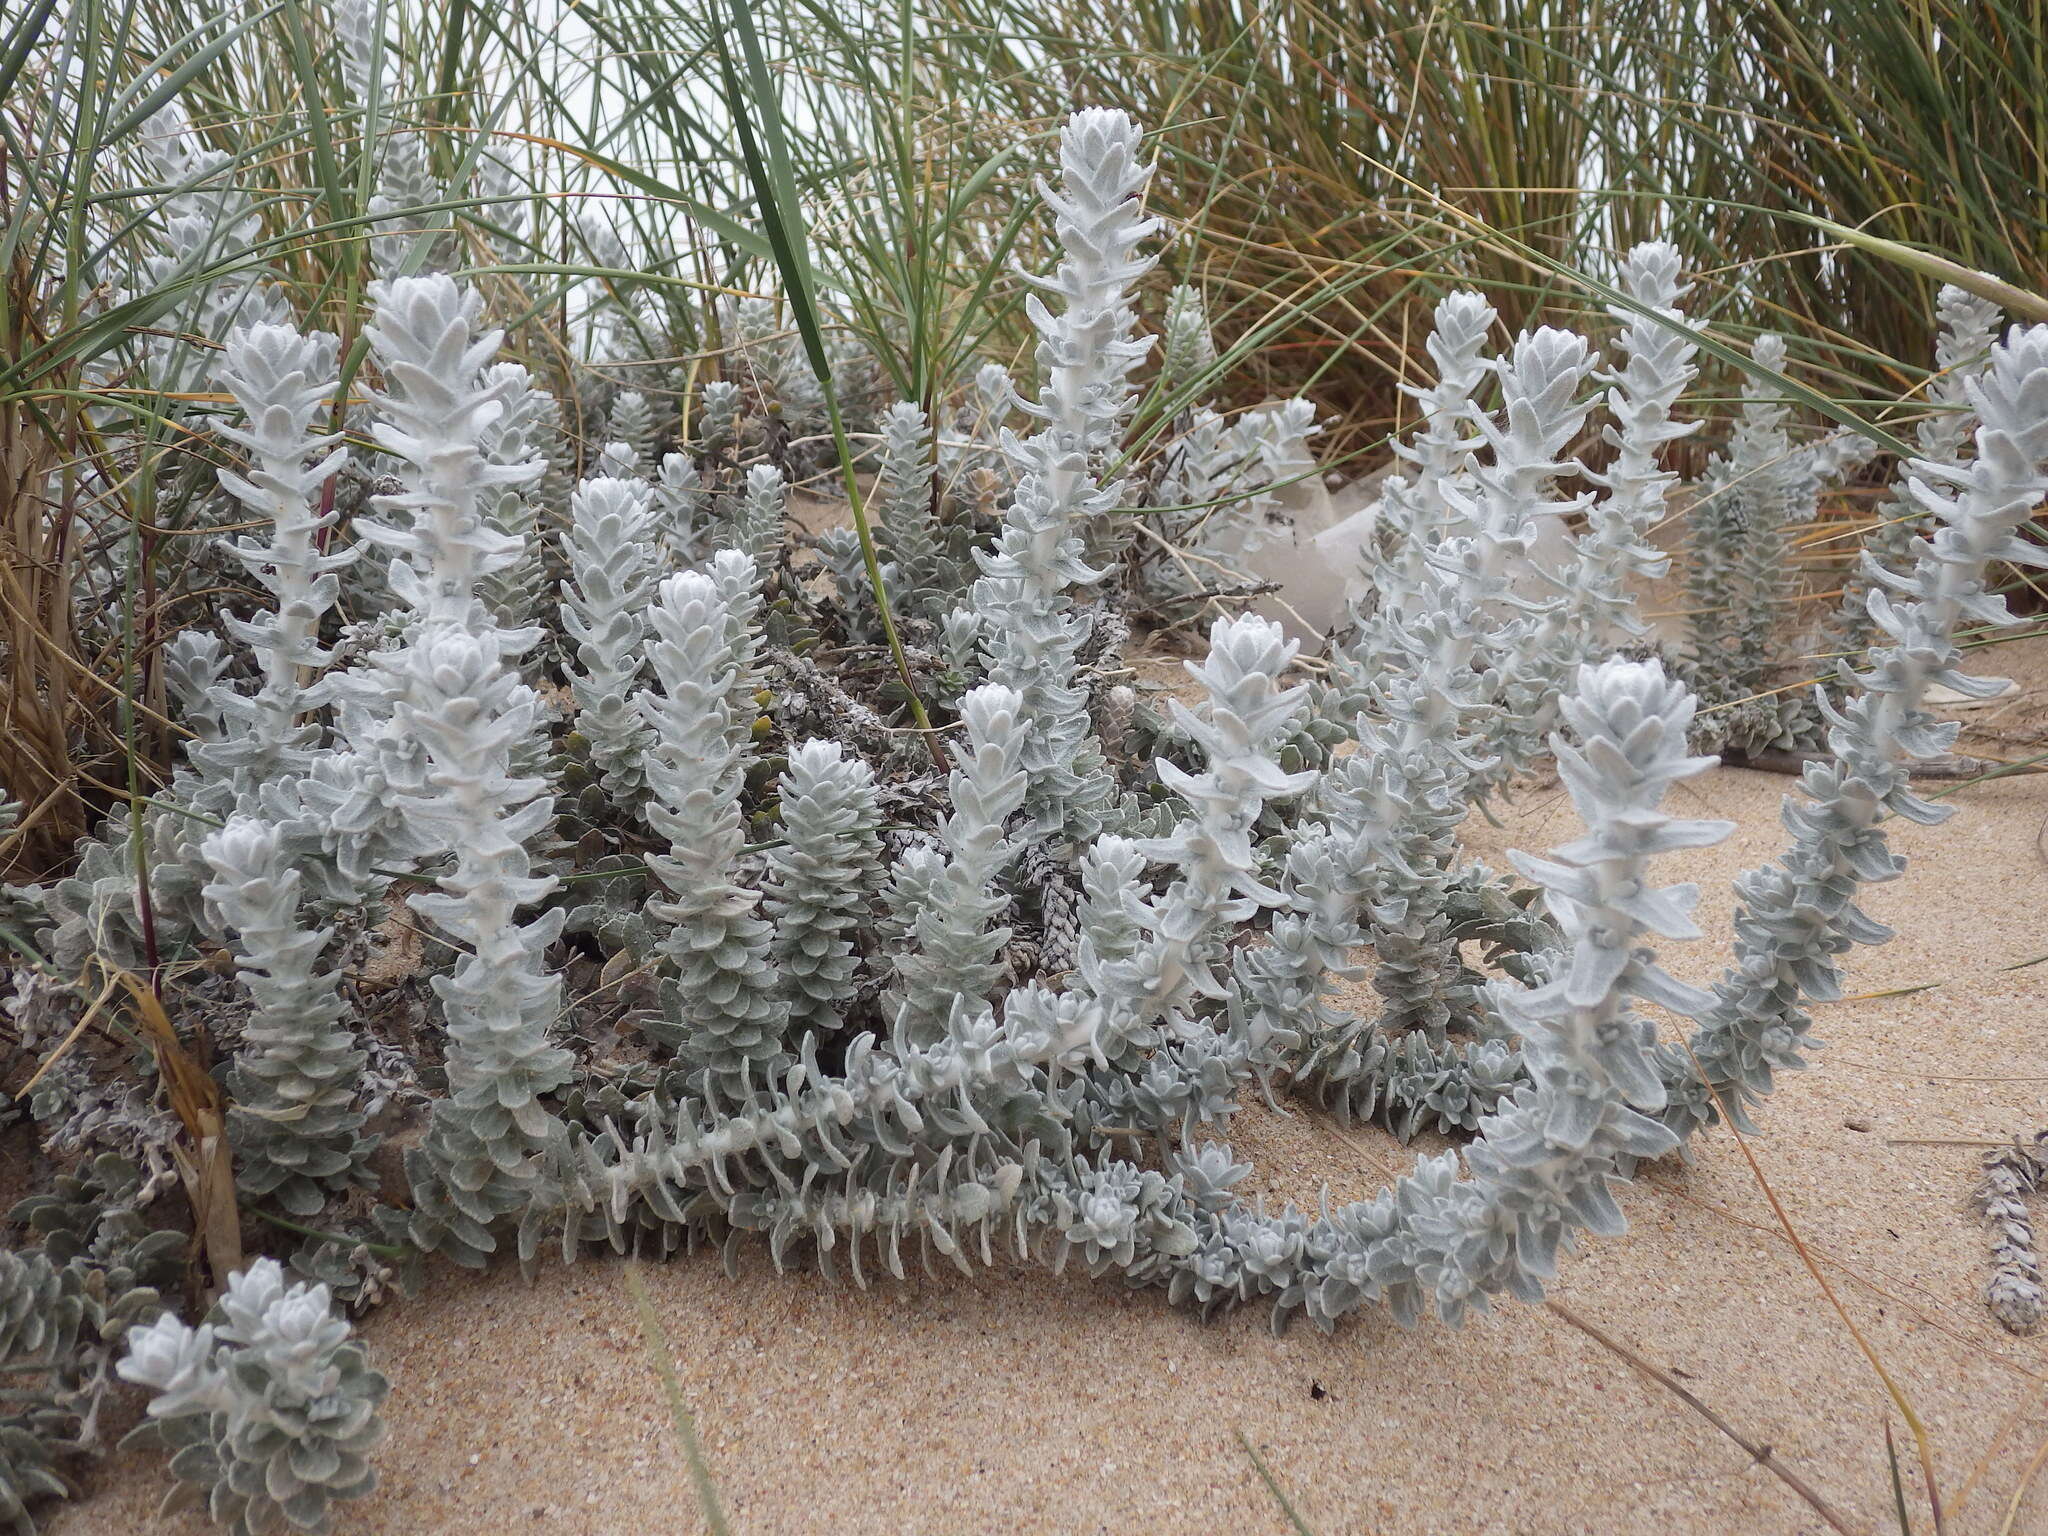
[196, 666]
[1412, 509]
[409, 232]
[772, 361]
[294, 1121]
[437, 413]
[1545, 1159]
[1594, 605]
[245, 745]
[954, 926]
[719, 417]
[1495, 532]
[632, 423]
[1057, 993]
[617, 461]
[1798, 914]
[1087, 351]
[441, 405]
[611, 549]
[927, 580]
[1741, 580]
[2011, 1174]
[1212, 503]
[723, 1009]
[1736, 583]
[529, 430]
[820, 881]
[1189, 350]
[840, 553]
[971, 457]
[754, 516]
[1642, 397]
[1220, 879]
[438, 725]
[493, 1141]
[206, 219]
[680, 507]
[270, 1413]
[1965, 327]
[1234, 476]
[282, 382]
[361, 51]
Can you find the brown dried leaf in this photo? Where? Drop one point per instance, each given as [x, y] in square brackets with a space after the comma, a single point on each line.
[205, 1162]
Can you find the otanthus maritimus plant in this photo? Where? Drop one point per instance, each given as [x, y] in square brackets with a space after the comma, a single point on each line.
[820, 879]
[954, 924]
[295, 1126]
[2011, 1174]
[1059, 505]
[722, 1010]
[282, 382]
[268, 1414]
[611, 548]
[1101, 926]
[1799, 914]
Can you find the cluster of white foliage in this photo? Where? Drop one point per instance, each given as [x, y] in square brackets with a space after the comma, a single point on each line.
[269, 1413]
[869, 1008]
[612, 553]
[1087, 350]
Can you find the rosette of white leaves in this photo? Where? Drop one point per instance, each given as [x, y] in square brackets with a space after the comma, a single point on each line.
[722, 1010]
[1247, 715]
[295, 1128]
[270, 1413]
[406, 226]
[1414, 516]
[2011, 1174]
[1737, 577]
[360, 52]
[1798, 914]
[282, 381]
[490, 1140]
[1279, 437]
[820, 880]
[196, 666]
[1544, 1160]
[954, 964]
[1443, 445]
[202, 220]
[1089, 349]
[1590, 1056]
[632, 422]
[611, 548]
[972, 456]
[41, 1308]
[442, 411]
